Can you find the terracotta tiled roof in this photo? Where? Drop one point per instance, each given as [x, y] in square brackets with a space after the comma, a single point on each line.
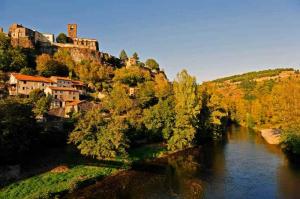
[61, 78]
[77, 82]
[73, 103]
[22, 77]
[63, 89]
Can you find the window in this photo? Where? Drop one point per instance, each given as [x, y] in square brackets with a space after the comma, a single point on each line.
[23, 88]
[55, 96]
[74, 98]
[24, 82]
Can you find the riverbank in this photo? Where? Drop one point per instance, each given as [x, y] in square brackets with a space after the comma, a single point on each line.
[75, 174]
[272, 136]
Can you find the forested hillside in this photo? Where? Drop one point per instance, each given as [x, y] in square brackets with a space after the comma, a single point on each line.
[267, 103]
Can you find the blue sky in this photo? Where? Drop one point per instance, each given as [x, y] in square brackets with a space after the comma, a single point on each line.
[210, 38]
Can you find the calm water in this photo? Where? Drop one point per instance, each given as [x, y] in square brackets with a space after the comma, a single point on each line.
[242, 167]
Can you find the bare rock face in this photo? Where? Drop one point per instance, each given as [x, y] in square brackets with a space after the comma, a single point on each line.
[272, 136]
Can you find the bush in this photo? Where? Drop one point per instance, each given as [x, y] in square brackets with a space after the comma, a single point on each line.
[291, 140]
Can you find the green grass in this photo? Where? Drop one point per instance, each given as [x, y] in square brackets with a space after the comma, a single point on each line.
[49, 185]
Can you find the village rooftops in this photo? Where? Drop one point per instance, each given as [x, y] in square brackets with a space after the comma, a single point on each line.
[22, 77]
[63, 89]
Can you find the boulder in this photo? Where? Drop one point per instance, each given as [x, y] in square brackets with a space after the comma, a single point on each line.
[272, 136]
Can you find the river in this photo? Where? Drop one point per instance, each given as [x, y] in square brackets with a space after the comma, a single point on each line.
[242, 166]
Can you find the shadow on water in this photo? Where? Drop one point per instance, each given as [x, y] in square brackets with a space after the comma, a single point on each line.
[241, 166]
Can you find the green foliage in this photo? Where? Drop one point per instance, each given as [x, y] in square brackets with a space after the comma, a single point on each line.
[118, 101]
[62, 38]
[42, 106]
[49, 184]
[28, 71]
[291, 139]
[152, 64]
[35, 95]
[146, 94]
[123, 56]
[186, 109]
[94, 73]
[11, 59]
[100, 137]
[131, 76]
[54, 68]
[136, 56]
[64, 56]
[18, 129]
[159, 119]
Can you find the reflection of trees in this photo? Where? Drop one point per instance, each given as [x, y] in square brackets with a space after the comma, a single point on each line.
[181, 175]
[288, 180]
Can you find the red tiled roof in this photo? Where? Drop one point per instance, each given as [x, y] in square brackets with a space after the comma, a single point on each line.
[22, 77]
[77, 82]
[73, 103]
[63, 88]
[61, 78]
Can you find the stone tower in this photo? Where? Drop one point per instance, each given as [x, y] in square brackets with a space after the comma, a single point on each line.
[72, 30]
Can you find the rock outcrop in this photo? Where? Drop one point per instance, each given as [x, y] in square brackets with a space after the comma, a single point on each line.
[272, 136]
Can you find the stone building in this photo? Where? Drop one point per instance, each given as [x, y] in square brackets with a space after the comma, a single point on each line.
[20, 84]
[27, 38]
[21, 36]
[131, 62]
[61, 95]
[72, 30]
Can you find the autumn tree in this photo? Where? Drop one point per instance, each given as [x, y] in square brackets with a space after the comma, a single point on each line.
[64, 56]
[186, 109]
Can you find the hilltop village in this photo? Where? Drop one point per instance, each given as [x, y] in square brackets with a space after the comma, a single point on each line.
[68, 93]
[63, 96]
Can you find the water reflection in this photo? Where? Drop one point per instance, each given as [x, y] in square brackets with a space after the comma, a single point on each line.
[241, 166]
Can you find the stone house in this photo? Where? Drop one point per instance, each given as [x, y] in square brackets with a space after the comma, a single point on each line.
[62, 95]
[67, 82]
[20, 84]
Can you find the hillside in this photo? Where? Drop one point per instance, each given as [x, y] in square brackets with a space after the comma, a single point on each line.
[259, 75]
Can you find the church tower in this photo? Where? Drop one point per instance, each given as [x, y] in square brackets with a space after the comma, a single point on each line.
[72, 30]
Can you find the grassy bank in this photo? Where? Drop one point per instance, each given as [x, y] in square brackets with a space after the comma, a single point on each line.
[52, 184]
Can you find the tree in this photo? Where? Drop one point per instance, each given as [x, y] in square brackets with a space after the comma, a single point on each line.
[41, 62]
[159, 119]
[42, 105]
[152, 64]
[62, 38]
[186, 109]
[162, 86]
[95, 73]
[131, 76]
[118, 101]
[123, 56]
[18, 130]
[136, 56]
[64, 56]
[99, 137]
[28, 71]
[47, 66]
[146, 94]
[11, 59]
